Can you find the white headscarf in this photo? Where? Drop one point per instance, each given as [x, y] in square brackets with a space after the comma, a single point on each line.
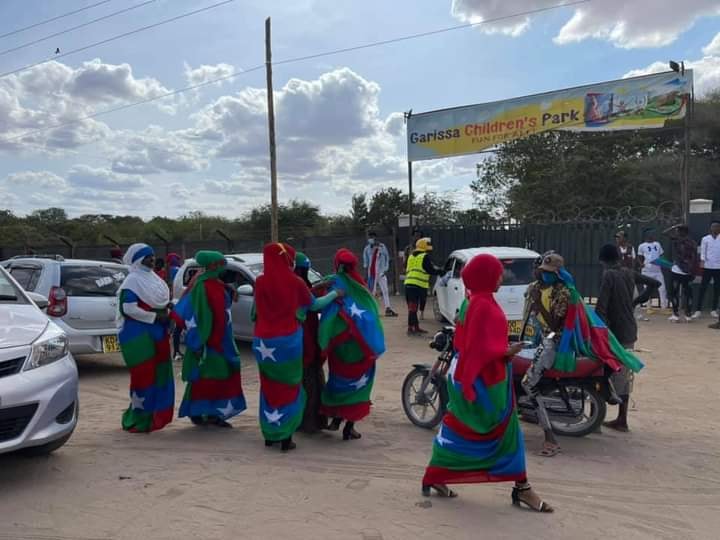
[141, 280]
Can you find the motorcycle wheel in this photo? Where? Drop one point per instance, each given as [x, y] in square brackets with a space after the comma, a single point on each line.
[591, 412]
[425, 412]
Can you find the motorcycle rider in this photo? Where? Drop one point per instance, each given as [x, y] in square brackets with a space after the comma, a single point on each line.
[546, 307]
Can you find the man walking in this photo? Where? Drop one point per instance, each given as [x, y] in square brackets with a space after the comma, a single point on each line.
[417, 282]
[616, 307]
[627, 251]
[710, 264]
[649, 252]
[376, 260]
[684, 250]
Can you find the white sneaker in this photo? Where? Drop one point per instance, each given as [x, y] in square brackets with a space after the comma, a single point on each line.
[689, 319]
[714, 314]
[697, 315]
[673, 318]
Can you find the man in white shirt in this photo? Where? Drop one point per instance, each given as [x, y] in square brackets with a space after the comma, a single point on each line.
[710, 264]
[376, 260]
[649, 252]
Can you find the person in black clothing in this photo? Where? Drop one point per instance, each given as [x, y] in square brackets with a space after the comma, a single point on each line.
[616, 307]
[420, 268]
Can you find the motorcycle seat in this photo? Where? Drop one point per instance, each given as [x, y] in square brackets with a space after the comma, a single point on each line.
[585, 367]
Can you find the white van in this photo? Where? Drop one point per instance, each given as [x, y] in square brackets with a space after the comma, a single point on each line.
[519, 263]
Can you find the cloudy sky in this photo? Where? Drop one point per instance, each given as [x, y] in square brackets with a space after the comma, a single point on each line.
[339, 119]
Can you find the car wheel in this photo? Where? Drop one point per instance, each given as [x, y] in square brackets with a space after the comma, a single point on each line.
[436, 310]
[45, 449]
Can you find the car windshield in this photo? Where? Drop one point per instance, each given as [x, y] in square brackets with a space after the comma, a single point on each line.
[92, 280]
[518, 271]
[9, 293]
[256, 268]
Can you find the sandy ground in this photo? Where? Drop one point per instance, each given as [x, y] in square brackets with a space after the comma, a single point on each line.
[662, 481]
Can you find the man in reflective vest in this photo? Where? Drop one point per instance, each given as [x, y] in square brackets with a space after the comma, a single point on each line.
[417, 282]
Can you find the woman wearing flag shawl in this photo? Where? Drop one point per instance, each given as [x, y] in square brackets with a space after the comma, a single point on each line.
[480, 438]
[282, 299]
[211, 366]
[145, 343]
[352, 337]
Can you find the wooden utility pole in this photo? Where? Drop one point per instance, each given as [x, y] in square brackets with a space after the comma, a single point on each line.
[274, 235]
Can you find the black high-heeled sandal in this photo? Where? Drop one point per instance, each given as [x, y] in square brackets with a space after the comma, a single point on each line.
[349, 433]
[543, 508]
[441, 489]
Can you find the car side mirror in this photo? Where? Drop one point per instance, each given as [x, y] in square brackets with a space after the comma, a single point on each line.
[246, 290]
[39, 299]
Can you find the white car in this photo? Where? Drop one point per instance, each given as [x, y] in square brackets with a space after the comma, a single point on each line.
[245, 268]
[38, 376]
[81, 297]
[519, 264]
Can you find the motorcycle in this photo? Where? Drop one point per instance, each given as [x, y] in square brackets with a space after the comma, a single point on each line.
[575, 403]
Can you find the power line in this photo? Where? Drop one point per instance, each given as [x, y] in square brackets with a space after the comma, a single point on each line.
[431, 32]
[57, 18]
[287, 61]
[73, 28]
[119, 36]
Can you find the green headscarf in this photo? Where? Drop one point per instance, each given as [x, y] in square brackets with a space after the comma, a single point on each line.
[214, 263]
[301, 260]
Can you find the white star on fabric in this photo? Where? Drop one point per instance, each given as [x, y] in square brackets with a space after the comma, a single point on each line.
[362, 381]
[273, 417]
[441, 440]
[356, 311]
[190, 324]
[228, 410]
[136, 402]
[265, 351]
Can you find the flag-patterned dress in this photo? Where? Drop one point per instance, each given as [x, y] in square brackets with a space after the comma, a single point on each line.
[145, 349]
[480, 438]
[351, 335]
[211, 365]
[280, 300]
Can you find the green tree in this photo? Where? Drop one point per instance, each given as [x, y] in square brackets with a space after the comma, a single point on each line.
[359, 210]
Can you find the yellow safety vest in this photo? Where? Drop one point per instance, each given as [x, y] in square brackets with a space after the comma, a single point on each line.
[415, 274]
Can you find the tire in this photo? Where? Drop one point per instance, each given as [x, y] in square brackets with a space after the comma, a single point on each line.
[45, 449]
[436, 310]
[437, 404]
[593, 420]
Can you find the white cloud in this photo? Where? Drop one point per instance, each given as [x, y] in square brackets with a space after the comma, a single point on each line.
[706, 70]
[627, 24]
[36, 179]
[54, 94]
[206, 73]
[713, 48]
[82, 176]
[156, 150]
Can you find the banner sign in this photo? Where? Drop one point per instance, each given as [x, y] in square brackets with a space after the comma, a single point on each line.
[638, 103]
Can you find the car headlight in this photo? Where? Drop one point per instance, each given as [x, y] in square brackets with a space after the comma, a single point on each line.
[51, 346]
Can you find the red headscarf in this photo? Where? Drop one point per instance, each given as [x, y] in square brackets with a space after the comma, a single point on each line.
[347, 259]
[279, 293]
[484, 339]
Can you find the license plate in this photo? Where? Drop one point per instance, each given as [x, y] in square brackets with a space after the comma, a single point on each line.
[515, 327]
[110, 344]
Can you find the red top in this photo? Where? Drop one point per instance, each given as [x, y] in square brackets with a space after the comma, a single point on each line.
[279, 293]
[215, 290]
[484, 340]
[373, 262]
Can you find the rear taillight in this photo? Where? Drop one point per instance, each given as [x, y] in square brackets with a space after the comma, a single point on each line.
[57, 302]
